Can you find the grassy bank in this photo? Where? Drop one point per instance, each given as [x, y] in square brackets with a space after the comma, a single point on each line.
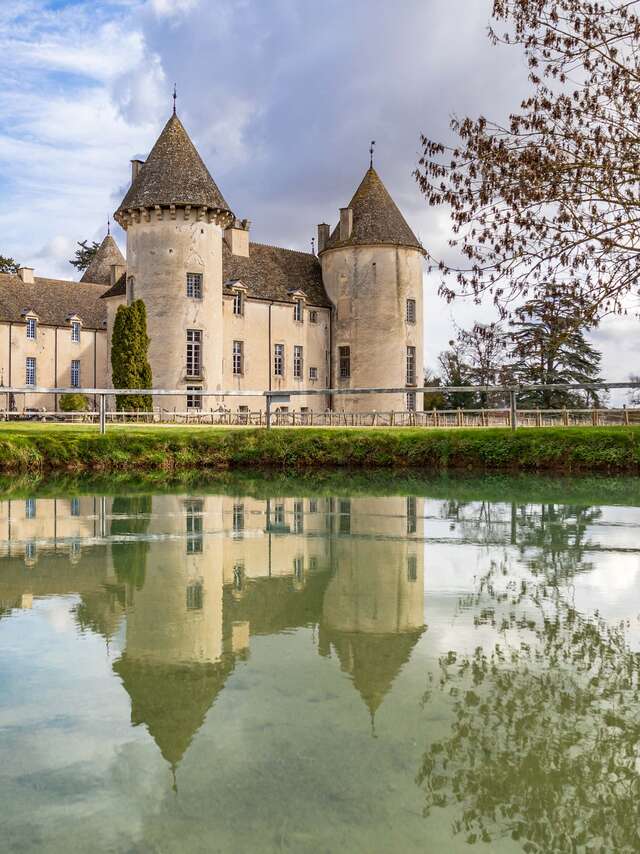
[35, 448]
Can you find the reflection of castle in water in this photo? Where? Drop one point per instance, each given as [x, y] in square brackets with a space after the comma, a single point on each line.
[192, 579]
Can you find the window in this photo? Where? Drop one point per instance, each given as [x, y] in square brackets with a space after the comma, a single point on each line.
[411, 311]
[32, 326]
[412, 515]
[75, 550]
[238, 518]
[194, 352]
[278, 360]
[278, 514]
[194, 596]
[238, 303]
[297, 362]
[238, 358]
[238, 576]
[313, 373]
[194, 401]
[412, 568]
[74, 506]
[298, 517]
[411, 401]
[30, 550]
[298, 311]
[313, 317]
[193, 517]
[298, 568]
[75, 331]
[344, 355]
[30, 371]
[75, 373]
[194, 285]
[345, 516]
[411, 365]
[30, 508]
[313, 506]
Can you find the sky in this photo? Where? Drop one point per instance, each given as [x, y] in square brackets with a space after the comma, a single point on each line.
[281, 98]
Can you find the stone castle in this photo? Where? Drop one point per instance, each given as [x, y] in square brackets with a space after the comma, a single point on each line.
[224, 313]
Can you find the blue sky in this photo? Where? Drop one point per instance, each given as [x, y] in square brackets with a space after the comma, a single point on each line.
[280, 96]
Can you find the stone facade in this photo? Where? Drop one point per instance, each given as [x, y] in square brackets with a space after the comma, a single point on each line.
[227, 314]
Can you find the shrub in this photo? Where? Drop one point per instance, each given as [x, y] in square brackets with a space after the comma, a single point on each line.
[73, 403]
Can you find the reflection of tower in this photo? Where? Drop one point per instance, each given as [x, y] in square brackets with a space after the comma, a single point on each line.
[173, 666]
[373, 612]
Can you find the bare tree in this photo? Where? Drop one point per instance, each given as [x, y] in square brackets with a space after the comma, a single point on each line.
[551, 198]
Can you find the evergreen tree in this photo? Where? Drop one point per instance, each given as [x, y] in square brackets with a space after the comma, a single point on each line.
[549, 347]
[129, 356]
[8, 265]
[85, 255]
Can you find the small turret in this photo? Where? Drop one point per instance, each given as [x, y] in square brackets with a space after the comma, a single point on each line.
[107, 255]
[372, 272]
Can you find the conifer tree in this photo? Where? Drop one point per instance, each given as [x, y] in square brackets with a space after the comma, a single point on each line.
[549, 347]
[85, 255]
[129, 356]
[8, 265]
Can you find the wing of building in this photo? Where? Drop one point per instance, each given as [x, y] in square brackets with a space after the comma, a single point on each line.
[225, 314]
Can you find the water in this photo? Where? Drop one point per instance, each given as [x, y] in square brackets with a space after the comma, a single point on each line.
[361, 665]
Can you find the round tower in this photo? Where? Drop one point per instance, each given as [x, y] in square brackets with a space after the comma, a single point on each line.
[372, 266]
[174, 214]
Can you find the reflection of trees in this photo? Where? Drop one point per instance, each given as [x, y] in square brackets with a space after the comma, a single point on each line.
[544, 747]
[130, 557]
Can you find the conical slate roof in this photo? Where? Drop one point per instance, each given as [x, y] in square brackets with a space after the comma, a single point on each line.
[99, 270]
[376, 218]
[173, 174]
[172, 701]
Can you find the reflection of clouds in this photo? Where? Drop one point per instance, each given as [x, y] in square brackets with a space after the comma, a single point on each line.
[58, 613]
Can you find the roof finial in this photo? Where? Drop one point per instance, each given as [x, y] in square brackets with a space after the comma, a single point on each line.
[108, 226]
[313, 246]
[373, 142]
[175, 96]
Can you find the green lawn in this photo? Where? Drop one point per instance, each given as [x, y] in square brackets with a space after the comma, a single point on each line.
[35, 446]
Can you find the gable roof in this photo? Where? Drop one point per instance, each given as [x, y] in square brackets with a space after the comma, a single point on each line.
[99, 270]
[119, 289]
[174, 174]
[273, 273]
[376, 218]
[52, 300]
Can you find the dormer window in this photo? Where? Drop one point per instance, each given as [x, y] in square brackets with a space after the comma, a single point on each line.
[298, 311]
[32, 328]
[75, 331]
[238, 303]
[194, 285]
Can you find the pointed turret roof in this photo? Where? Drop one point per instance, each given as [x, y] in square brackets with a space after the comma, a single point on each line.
[99, 270]
[376, 217]
[173, 174]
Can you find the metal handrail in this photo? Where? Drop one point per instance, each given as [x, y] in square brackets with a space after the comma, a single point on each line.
[272, 395]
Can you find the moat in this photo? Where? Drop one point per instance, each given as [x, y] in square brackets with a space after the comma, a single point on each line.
[364, 664]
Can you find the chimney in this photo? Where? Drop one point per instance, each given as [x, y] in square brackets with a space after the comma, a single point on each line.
[237, 238]
[346, 223]
[323, 236]
[26, 274]
[117, 270]
[136, 166]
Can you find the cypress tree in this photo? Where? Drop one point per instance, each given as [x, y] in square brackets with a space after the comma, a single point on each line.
[129, 356]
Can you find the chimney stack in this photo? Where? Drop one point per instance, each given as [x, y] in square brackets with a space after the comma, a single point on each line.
[26, 274]
[346, 223]
[323, 236]
[117, 270]
[136, 166]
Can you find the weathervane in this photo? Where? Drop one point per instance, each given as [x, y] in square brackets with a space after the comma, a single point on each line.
[373, 142]
[175, 96]
[109, 226]
[313, 246]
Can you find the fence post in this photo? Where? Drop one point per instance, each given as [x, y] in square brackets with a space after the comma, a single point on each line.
[268, 414]
[514, 410]
[103, 414]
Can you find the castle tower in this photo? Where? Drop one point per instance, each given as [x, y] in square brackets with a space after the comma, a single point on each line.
[173, 214]
[372, 272]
